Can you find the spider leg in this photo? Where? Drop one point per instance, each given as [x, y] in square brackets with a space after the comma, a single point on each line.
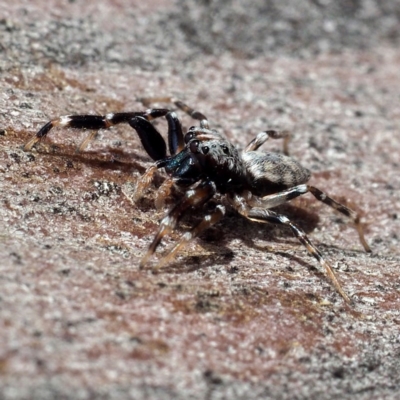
[205, 223]
[151, 139]
[176, 142]
[163, 192]
[262, 137]
[197, 115]
[348, 212]
[263, 215]
[92, 122]
[193, 198]
[143, 183]
[155, 146]
[276, 199]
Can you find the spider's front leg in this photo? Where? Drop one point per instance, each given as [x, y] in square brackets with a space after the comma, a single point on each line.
[155, 146]
[193, 198]
[151, 139]
[94, 122]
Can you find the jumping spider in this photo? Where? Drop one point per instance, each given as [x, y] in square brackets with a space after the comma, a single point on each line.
[203, 163]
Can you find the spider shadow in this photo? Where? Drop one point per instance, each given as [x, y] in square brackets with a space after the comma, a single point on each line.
[109, 158]
[193, 263]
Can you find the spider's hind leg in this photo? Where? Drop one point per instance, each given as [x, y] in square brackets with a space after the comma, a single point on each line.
[276, 199]
[348, 212]
[262, 215]
[241, 203]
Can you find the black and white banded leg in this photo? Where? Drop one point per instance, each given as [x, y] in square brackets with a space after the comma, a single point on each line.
[264, 216]
[151, 139]
[276, 199]
[92, 122]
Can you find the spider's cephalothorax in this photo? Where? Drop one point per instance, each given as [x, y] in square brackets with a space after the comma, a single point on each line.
[207, 155]
[203, 163]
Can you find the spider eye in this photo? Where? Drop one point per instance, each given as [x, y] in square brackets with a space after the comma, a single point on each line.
[225, 149]
[194, 146]
[189, 136]
[205, 149]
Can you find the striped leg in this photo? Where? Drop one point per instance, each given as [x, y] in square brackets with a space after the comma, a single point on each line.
[197, 115]
[93, 122]
[262, 137]
[193, 198]
[263, 215]
[321, 196]
[276, 199]
[205, 223]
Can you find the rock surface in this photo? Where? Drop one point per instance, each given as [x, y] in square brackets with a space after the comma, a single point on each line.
[244, 312]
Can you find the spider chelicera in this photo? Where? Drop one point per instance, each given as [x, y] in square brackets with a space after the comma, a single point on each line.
[204, 163]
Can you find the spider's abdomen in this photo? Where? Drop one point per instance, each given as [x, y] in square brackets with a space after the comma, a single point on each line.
[272, 172]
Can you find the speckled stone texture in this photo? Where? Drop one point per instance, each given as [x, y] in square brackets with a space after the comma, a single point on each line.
[244, 312]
